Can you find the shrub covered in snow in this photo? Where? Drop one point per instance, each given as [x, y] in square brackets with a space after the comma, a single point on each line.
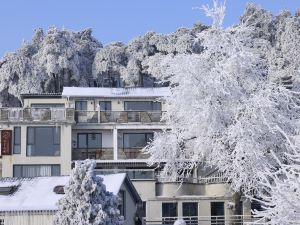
[179, 222]
[86, 201]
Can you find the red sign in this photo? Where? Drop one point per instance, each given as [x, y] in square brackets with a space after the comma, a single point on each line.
[6, 136]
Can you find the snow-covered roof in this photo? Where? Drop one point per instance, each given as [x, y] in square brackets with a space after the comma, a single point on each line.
[115, 92]
[37, 193]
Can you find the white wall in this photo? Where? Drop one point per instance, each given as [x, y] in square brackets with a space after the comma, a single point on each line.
[64, 160]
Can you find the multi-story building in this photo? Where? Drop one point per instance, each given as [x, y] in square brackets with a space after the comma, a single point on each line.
[111, 125]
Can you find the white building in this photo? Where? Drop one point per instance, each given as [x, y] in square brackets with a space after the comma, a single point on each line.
[110, 125]
[33, 201]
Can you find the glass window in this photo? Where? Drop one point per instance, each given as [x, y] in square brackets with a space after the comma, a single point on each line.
[89, 140]
[169, 212]
[105, 105]
[81, 105]
[43, 141]
[17, 140]
[36, 170]
[137, 140]
[143, 214]
[141, 106]
[121, 205]
[190, 211]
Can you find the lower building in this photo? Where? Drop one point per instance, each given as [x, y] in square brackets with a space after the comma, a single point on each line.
[33, 201]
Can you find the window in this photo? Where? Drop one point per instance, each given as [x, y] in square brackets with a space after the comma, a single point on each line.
[51, 105]
[169, 212]
[143, 213]
[121, 205]
[81, 105]
[89, 140]
[43, 141]
[136, 140]
[190, 212]
[217, 213]
[36, 170]
[141, 106]
[17, 140]
[1, 221]
[105, 105]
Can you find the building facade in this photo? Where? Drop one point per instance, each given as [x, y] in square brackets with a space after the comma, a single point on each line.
[111, 125]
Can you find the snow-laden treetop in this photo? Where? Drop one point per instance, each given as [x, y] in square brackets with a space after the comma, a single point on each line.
[57, 58]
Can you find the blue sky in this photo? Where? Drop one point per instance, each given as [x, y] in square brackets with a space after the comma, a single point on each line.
[113, 20]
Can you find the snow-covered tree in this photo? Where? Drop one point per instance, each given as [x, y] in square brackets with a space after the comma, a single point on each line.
[47, 63]
[179, 222]
[230, 110]
[280, 193]
[86, 200]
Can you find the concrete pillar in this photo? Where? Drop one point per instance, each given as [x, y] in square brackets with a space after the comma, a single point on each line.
[115, 143]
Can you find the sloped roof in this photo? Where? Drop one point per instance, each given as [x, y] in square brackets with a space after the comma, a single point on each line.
[115, 92]
[37, 193]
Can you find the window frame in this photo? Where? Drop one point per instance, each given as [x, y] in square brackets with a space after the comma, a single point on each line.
[87, 142]
[14, 140]
[106, 102]
[146, 133]
[139, 110]
[21, 166]
[34, 140]
[81, 101]
[162, 208]
[123, 199]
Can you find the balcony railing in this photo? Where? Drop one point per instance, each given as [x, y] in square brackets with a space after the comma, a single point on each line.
[206, 220]
[82, 154]
[36, 115]
[132, 153]
[134, 174]
[118, 116]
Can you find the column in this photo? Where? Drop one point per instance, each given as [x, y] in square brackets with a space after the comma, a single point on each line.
[115, 143]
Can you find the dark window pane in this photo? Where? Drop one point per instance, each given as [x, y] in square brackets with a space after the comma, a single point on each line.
[142, 105]
[17, 140]
[56, 136]
[82, 141]
[80, 105]
[17, 171]
[30, 135]
[190, 209]
[94, 141]
[105, 105]
[36, 170]
[55, 170]
[169, 209]
[136, 140]
[43, 141]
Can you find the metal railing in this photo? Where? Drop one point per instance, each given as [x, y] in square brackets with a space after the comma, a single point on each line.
[134, 174]
[205, 220]
[215, 179]
[82, 116]
[36, 115]
[83, 153]
[131, 153]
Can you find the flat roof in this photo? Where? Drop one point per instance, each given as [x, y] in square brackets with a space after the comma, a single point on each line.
[40, 95]
[72, 92]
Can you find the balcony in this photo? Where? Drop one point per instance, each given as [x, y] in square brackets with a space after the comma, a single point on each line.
[82, 154]
[118, 116]
[132, 153]
[36, 115]
[133, 174]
